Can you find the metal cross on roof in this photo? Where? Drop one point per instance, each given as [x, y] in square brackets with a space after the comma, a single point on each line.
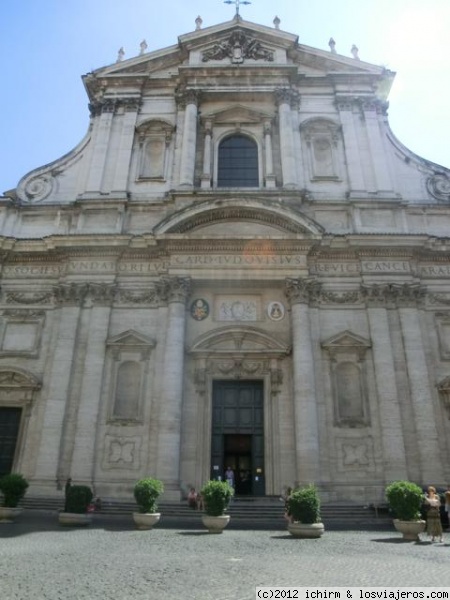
[238, 3]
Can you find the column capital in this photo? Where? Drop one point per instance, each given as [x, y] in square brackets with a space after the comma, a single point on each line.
[176, 289]
[408, 294]
[184, 96]
[302, 291]
[399, 295]
[361, 104]
[287, 96]
[70, 293]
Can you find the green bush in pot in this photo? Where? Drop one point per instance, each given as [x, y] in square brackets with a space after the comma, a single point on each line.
[216, 497]
[146, 493]
[405, 500]
[13, 488]
[78, 499]
[303, 505]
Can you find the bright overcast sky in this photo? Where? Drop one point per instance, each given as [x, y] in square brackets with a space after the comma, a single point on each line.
[46, 45]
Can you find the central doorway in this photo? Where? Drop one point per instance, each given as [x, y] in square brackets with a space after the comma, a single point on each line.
[238, 435]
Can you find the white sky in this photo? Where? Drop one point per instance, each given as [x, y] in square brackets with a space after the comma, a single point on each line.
[46, 45]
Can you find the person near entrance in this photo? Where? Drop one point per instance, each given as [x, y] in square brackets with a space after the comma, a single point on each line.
[229, 476]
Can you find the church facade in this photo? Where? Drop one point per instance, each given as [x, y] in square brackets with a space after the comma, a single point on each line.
[239, 265]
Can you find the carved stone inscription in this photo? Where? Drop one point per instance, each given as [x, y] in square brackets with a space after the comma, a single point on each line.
[190, 261]
[238, 261]
[365, 266]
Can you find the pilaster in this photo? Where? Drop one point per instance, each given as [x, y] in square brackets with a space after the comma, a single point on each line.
[69, 298]
[284, 97]
[98, 302]
[301, 293]
[389, 411]
[170, 409]
[188, 99]
[348, 110]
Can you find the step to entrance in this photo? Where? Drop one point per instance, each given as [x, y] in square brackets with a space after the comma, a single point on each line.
[247, 512]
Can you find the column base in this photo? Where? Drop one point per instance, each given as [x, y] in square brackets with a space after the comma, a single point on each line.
[271, 181]
[205, 181]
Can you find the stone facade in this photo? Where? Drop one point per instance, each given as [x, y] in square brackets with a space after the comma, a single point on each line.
[137, 274]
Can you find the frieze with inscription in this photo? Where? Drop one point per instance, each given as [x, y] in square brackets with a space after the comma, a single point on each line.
[238, 260]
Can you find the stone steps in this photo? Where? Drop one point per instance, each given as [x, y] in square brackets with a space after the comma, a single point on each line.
[246, 511]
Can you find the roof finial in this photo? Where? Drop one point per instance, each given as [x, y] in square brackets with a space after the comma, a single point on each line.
[198, 22]
[332, 45]
[354, 50]
[277, 22]
[120, 55]
[237, 3]
[143, 46]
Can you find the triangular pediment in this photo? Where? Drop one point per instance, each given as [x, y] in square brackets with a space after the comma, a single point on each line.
[236, 114]
[346, 339]
[131, 338]
[231, 43]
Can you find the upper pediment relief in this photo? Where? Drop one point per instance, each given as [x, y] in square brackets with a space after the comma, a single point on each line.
[233, 43]
[235, 114]
[237, 49]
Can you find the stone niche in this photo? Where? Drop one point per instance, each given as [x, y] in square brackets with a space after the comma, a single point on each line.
[347, 359]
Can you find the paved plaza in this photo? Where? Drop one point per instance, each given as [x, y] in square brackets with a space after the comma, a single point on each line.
[111, 560]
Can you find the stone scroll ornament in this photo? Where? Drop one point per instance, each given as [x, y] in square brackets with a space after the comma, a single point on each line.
[438, 186]
[238, 47]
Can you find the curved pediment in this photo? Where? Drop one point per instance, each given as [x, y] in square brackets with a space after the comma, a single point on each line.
[234, 339]
[13, 377]
[220, 217]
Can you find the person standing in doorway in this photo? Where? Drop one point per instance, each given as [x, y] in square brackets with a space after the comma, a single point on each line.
[229, 476]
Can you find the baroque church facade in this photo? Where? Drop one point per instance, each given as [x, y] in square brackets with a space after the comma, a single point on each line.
[239, 265]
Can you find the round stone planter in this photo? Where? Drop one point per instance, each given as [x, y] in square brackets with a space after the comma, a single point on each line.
[74, 519]
[146, 520]
[410, 529]
[304, 530]
[215, 524]
[8, 514]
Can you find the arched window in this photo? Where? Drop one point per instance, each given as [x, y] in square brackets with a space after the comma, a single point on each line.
[238, 162]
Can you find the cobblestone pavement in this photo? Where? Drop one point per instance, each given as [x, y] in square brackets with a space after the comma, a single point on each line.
[41, 560]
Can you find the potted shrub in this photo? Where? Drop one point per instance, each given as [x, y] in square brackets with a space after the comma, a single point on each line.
[146, 493]
[405, 500]
[303, 508]
[216, 498]
[78, 499]
[13, 488]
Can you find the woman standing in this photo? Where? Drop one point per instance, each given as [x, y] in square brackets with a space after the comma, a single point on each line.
[434, 527]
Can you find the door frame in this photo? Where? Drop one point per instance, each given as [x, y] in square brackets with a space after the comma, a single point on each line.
[213, 357]
[18, 389]
[252, 431]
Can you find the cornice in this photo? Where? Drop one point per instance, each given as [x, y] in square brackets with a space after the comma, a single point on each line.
[248, 246]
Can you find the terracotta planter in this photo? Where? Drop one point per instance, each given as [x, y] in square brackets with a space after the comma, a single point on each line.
[146, 520]
[75, 519]
[215, 524]
[8, 514]
[304, 530]
[410, 529]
